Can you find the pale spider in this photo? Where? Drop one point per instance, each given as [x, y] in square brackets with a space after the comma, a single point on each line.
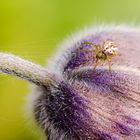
[103, 52]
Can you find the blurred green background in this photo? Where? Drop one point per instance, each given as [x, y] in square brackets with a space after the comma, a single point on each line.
[32, 29]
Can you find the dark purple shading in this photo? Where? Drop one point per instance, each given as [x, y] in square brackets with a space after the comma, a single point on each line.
[79, 57]
[65, 109]
[106, 79]
[123, 129]
[131, 120]
[105, 136]
[69, 108]
[97, 77]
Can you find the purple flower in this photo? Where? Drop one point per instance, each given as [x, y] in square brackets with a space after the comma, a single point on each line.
[75, 101]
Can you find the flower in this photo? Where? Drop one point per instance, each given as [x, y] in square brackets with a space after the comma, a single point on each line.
[74, 101]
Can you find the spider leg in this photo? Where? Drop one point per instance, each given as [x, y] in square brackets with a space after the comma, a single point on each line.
[109, 64]
[91, 43]
[96, 63]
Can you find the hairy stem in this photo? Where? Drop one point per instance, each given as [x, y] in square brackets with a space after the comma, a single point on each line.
[16, 66]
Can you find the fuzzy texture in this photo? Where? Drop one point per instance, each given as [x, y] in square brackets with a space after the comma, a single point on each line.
[16, 66]
[76, 101]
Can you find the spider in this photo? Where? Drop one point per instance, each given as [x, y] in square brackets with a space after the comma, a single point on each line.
[103, 52]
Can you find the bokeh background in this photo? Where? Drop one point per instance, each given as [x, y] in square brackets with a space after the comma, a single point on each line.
[32, 29]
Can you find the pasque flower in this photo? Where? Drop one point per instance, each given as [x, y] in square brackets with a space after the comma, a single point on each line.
[77, 102]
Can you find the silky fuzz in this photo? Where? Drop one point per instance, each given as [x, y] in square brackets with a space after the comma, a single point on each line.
[73, 99]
